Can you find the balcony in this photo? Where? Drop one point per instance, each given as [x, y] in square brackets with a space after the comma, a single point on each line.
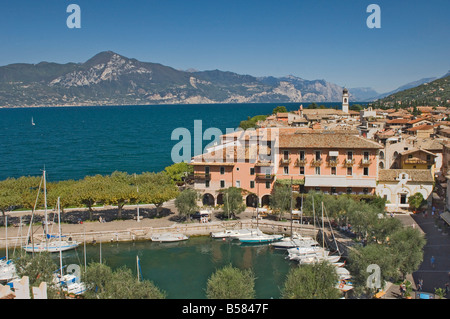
[263, 163]
[333, 162]
[300, 162]
[202, 176]
[265, 176]
[285, 161]
[349, 162]
[365, 162]
[418, 161]
[316, 162]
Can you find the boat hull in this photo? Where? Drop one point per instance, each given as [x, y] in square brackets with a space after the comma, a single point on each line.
[53, 248]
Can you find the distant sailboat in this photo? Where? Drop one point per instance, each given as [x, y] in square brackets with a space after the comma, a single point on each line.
[32, 122]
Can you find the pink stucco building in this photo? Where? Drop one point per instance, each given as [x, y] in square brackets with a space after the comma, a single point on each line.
[329, 161]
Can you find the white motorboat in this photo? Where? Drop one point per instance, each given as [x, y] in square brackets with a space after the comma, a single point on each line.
[169, 237]
[259, 238]
[232, 233]
[287, 243]
[247, 233]
[311, 259]
[70, 283]
[305, 250]
[318, 255]
[344, 285]
[7, 270]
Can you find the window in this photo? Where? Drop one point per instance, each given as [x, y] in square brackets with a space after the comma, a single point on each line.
[333, 190]
[366, 171]
[237, 168]
[302, 170]
[222, 184]
[222, 170]
[349, 171]
[206, 170]
[286, 155]
[365, 191]
[238, 184]
[349, 190]
[286, 170]
[350, 155]
[428, 157]
[403, 199]
[302, 155]
[252, 184]
[317, 155]
[252, 171]
[333, 171]
[267, 184]
[317, 189]
[410, 156]
[206, 184]
[317, 170]
[366, 156]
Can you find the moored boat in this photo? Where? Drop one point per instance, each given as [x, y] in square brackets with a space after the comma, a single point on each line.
[259, 238]
[169, 237]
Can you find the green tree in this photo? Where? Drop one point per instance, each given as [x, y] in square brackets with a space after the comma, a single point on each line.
[407, 247]
[231, 283]
[65, 191]
[39, 268]
[415, 201]
[156, 189]
[233, 202]
[281, 199]
[314, 281]
[119, 191]
[186, 203]
[279, 109]
[361, 257]
[89, 191]
[179, 171]
[104, 283]
[8, 196]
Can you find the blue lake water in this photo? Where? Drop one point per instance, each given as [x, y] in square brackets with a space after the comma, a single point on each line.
[72, 142]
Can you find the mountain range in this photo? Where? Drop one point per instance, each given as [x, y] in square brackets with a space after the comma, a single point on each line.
[112, 79]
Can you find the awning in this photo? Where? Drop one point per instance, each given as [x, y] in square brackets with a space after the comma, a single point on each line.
[334, 153]
[446, 216]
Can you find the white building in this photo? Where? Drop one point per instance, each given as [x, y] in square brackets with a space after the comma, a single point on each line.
[397, 185]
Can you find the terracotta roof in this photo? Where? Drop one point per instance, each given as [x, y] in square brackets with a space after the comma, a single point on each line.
[397, 121]
[421, 128]
[418, 120]
[416, 175]
[326, 139]
[417, 150]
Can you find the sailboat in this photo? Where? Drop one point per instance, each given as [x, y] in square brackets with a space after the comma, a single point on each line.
[50, 244]
[7, 266]
[69, 282]
[32, 122]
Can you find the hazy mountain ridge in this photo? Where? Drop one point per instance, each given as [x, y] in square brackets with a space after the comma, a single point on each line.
[111, 79]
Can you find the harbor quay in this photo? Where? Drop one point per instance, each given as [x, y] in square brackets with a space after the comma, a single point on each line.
[91, 232]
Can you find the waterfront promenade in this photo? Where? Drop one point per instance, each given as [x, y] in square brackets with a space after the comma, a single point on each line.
[129, 229]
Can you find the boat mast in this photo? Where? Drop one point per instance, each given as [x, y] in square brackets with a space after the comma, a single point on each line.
[60, 245]
[291, 207]
[6, 235]
[45, 211]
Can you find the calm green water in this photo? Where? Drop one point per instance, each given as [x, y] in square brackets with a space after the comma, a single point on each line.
[182, 269]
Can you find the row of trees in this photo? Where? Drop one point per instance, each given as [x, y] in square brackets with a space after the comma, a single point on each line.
[116, 189]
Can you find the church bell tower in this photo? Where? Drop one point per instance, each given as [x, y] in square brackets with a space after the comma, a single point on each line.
[345, 100]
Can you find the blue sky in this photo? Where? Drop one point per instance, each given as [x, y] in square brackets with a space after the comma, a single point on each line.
[320, 39]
